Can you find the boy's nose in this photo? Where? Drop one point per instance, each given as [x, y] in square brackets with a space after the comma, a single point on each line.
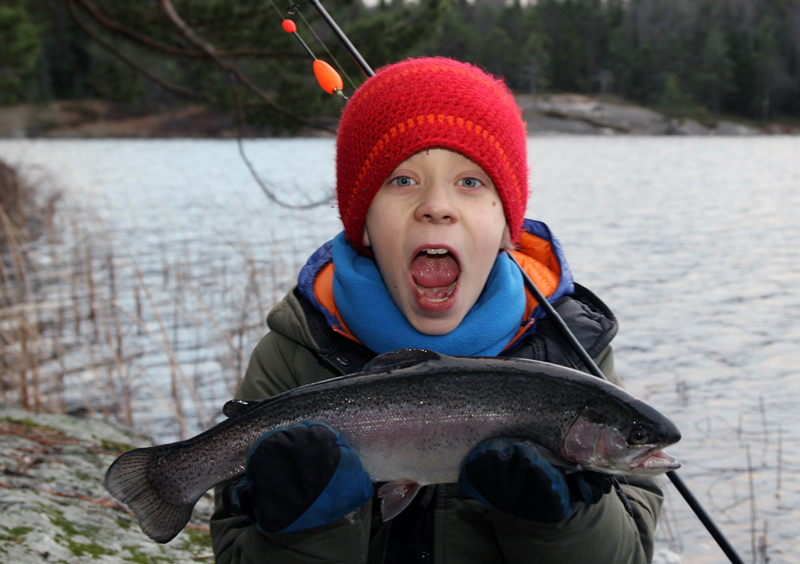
[436, 206]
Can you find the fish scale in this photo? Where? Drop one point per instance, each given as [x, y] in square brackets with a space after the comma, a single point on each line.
[412, 417]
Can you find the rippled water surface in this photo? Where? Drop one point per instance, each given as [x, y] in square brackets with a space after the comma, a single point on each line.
[693, 243]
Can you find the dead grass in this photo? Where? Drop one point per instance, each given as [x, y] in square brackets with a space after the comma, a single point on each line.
[90, 326]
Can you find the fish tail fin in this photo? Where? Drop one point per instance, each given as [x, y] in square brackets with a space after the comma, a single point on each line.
[154, 497]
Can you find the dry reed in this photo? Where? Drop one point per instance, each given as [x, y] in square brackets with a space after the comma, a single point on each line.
[88, 325]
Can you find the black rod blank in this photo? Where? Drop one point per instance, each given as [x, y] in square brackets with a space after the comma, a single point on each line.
[592, 367]
[343, 38]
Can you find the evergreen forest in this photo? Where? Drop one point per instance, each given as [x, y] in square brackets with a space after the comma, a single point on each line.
[732, 57]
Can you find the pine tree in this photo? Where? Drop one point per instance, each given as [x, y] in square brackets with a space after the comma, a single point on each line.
[716, 70]
[21, 45]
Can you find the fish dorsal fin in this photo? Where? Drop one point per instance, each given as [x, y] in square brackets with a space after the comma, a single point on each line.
[401, 358]
[235, 408]
[396, 496]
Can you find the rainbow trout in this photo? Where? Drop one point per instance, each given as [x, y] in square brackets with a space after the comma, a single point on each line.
[412, 416]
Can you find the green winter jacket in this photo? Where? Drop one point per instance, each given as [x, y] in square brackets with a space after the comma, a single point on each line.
[307, 343]
[300, 350]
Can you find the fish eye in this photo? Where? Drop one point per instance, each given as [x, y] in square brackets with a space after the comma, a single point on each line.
[638, 435]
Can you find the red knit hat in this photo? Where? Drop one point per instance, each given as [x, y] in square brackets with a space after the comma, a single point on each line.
[421, 103]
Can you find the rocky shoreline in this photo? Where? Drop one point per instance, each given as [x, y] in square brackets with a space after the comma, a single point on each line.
[578, 114]
[68, 119]
[545, 115]
[54, 508]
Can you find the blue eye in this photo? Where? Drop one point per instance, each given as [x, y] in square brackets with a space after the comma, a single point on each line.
[469, 182]
[403, 181]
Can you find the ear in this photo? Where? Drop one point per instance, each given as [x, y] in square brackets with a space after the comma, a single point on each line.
[506, 244]
[365, 239]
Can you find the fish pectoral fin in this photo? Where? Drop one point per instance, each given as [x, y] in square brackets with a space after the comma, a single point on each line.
[395, 497]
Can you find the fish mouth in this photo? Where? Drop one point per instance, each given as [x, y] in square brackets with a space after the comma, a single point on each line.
[652, 461]
[435, 272]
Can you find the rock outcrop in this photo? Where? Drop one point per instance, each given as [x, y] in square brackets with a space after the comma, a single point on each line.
[54, 508]
[574, 113]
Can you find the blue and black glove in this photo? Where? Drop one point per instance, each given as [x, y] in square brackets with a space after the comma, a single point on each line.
[514, 477]
[297, 478]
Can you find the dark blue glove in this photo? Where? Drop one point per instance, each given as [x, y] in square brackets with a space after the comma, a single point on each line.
[297, 478]
[515, 478]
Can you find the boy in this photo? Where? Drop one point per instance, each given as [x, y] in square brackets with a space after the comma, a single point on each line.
[432, 188]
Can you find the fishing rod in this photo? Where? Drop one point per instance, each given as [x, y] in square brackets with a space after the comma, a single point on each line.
[328, 78]
[592, 367]
[554, 316]
[365, 68]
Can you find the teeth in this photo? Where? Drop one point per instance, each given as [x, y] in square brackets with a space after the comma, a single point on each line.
[435, 251]
[449, 289]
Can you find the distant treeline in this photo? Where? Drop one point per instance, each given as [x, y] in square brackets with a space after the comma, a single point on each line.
[735, 56]
[738, 57]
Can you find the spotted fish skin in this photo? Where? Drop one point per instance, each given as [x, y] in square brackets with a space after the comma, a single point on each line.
[412, 416]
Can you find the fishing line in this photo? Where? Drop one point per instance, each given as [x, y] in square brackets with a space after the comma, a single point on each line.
[324, 46]
[365, 68]
[270, 194]
[592, 367]
[294, 9]
[277, 10]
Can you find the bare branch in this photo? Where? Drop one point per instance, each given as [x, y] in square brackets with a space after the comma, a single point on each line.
[102, 20]
[268, 192]
[232, 68]
[139, 69]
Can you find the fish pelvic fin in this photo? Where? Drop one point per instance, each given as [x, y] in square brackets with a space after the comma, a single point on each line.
[395, 497]
[129, 481]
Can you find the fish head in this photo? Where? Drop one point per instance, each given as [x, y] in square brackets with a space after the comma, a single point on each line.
[621, 445]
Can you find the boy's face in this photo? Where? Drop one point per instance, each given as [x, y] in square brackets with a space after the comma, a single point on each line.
[435, 227]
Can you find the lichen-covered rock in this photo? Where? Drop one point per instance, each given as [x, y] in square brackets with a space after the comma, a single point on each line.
[54, 508]
[584, 114]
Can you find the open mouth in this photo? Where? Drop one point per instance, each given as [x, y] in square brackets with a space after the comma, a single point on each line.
[654, 461]
[435, 272]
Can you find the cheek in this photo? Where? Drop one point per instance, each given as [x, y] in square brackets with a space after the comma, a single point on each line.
[384, 237]
[376, 225]
[491, 229]
[385, 214]
[490, 213]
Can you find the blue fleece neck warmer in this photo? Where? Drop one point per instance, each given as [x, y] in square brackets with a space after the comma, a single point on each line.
[369, 312]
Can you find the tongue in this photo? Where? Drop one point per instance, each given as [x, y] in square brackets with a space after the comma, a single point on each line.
[434, 271]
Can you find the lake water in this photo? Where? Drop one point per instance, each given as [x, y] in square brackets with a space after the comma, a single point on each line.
[693, 243]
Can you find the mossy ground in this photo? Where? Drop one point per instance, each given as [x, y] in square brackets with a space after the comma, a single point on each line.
[54, 508]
